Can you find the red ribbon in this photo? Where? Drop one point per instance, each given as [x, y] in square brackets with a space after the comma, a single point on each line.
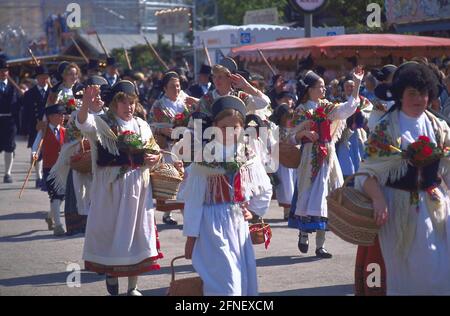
[237, 185]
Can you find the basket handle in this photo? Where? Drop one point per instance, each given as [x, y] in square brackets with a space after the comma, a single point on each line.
[169, 153]
[350, 178]
[172, 268]
[82, 145]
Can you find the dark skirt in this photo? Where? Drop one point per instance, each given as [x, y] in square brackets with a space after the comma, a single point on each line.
[49, 187]
[8, 131]
[75, 223]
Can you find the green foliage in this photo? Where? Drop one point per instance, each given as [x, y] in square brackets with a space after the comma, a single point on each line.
[140, 56]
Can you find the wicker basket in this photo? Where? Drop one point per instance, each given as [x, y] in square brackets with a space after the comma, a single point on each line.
[350, 215]
[258, 232]
[82, 161]
[184, 287]
[289, 155]
[166, 181]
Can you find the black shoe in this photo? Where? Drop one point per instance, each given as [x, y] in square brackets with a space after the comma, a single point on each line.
[169, 220]
[303, 244]
[323, 253]
[112, 289]
[7, 179]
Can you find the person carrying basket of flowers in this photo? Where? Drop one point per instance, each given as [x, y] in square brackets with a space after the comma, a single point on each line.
[121, 236]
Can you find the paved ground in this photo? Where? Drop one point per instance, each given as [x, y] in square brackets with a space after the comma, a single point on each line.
[34, 262]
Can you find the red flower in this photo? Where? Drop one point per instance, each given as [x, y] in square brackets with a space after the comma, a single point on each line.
[416, 145]
[71, 102]
[424, 138]
[427, 151]
[179, 117]
[128, 133]
[320, 112]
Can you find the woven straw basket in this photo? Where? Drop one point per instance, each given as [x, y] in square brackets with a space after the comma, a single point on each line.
[289, 155]
[166, 181]
[82, 161]
[350, 215]
[184, 287]
[257, 232]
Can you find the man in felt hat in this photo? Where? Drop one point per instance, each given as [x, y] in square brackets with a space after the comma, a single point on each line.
[204, 83]
[53, 139]
[8, 112]
[93, 68]
[111, 74]
[34, 102]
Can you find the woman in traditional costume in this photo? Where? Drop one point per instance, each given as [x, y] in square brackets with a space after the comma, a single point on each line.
[219, 197]
[121, 236]
[408, 163]
[172, 110]
[320, 124]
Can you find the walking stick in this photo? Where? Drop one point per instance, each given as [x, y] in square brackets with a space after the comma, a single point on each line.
[208, 58]
[79, 50]
[101, 44]
[152, 49]
[35, 60]
[35, 158]
[266, 62]
[15, 85]
[127, 58]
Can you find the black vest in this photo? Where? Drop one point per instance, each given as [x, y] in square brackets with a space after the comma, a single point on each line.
[411, 182]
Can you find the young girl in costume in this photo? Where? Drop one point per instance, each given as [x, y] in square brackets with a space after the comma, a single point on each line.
[219, 198]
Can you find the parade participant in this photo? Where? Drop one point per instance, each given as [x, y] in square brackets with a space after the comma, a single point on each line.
[380, 107]
[76, 185]
[121, 236]
[112, 72]
[320, 125]
[204, 83]
[350, 147]
[219, 198]
[277, 86]
[370, 83]
[170, 111]
[62, 92]
[285, 97]
[408, 164]
[93, 68]
[54, 136]
[35, 100]
[8, 128]
[334, 93]
[228, 82]
[287, 176]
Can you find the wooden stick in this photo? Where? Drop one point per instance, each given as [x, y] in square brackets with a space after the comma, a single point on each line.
[152, 49]
[35, 60]
[208, 58]
[79, 50]
[127, 58]
[101, 44]
[266, 62]
[14, 83]
[32, 163]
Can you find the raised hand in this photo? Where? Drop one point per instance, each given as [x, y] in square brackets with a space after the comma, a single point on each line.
[358, 74]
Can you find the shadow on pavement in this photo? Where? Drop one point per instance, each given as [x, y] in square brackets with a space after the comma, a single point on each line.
[284, 260]
[16, 216]
[15, 238]
[59, 278]
[339, 290]
[154, 292]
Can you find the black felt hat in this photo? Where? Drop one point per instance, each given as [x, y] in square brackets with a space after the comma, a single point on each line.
[55, 109]
[228, 102]
[3, 64]
[111, 61]
[41, 70]
[124, 86]
[205, 70]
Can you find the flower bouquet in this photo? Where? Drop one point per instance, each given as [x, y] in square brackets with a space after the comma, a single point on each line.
[423, 152]
[321, 124]
[181, 119]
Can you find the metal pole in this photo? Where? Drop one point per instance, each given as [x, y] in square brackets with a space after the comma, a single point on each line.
[194, 28]
[308, 24]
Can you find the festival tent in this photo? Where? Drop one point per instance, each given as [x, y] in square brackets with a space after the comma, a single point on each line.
[344, 46]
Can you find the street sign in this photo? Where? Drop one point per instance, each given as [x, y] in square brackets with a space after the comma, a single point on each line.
[246, 38]
[307, 6]
[264, 16]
